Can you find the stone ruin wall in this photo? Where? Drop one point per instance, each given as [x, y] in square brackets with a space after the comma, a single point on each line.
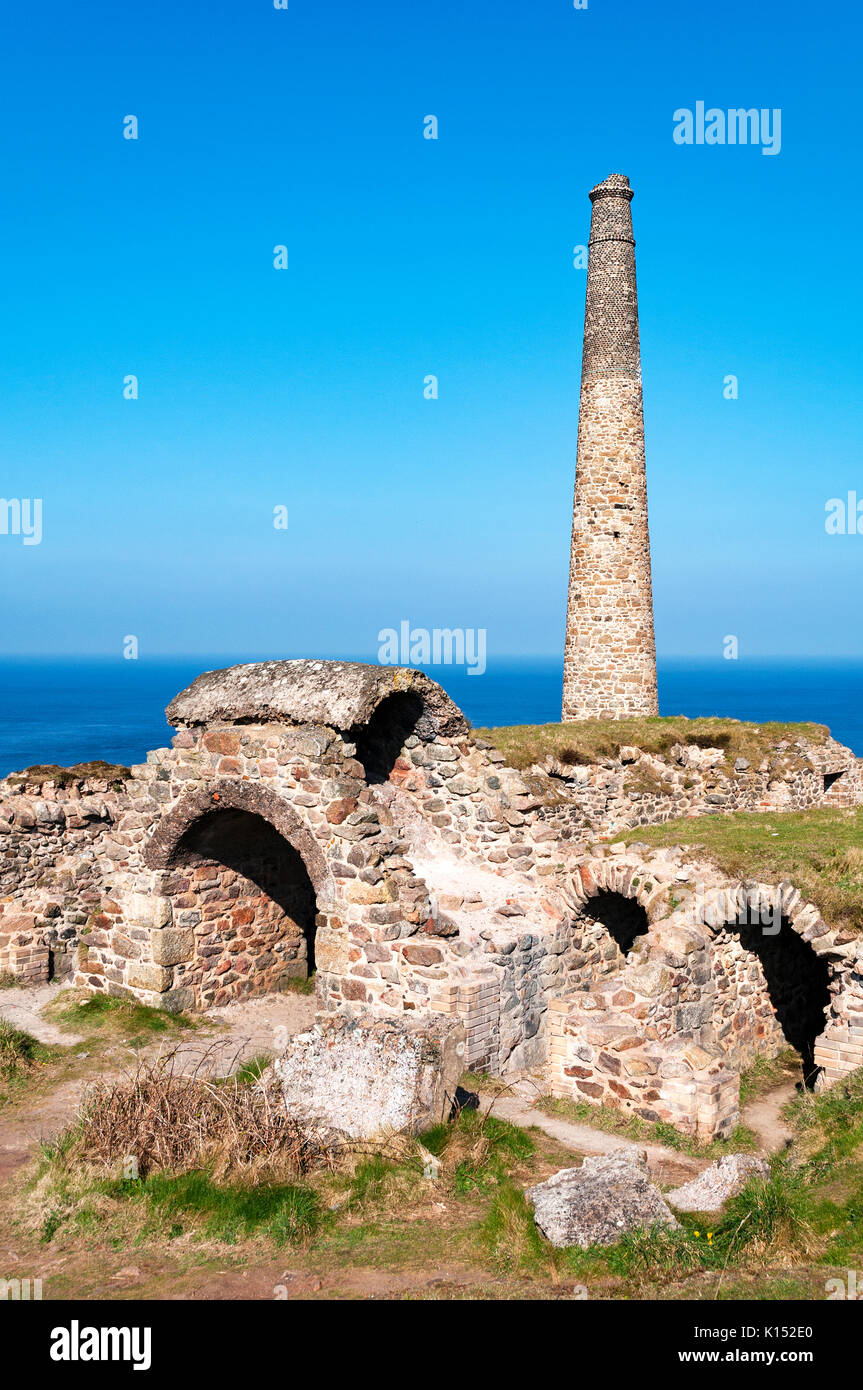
[124, 870]
[698, 997]
[639, 788]
[51, 840]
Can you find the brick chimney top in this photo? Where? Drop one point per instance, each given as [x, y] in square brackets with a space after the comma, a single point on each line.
[615, 186]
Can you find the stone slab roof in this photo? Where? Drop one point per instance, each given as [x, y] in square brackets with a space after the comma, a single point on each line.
[341, 694]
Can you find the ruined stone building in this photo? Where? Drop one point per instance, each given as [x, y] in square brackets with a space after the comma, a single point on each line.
[609, 655]
[343, 818]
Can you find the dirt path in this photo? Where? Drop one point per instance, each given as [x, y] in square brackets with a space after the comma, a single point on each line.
[763, 1117]
[23, 1009]
[667, 1166]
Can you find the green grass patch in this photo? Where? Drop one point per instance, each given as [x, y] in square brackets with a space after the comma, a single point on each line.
[298, 985]
[77, 1011]
[820, 851]
[591, 740]
[21, 1058]
[19, 1050]
[286, 1213]
[828, 1124]
[766, 1073]
[8, 980]
[511, 1237]
[480, 1150]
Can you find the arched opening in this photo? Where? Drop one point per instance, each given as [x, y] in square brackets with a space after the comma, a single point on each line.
[381, 740]
[248, 896]
[773, 990]
[623, 918]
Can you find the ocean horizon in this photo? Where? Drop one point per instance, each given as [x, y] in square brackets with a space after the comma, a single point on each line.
[70, 710]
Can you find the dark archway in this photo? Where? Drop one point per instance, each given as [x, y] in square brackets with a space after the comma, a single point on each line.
[797, 981]
[380, 741]
[254, 900]
[623, 918]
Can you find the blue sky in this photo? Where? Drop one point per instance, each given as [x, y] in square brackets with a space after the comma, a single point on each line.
[407, 257]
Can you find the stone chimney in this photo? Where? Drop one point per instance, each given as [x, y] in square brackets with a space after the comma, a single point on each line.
[609, 667]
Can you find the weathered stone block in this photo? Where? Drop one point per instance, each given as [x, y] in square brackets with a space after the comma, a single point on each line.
[173, 945]
[368, 1081]
[153, 977]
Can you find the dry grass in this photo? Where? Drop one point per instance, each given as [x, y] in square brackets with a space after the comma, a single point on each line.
[40, 773]
[592, 740]
[167, 1120]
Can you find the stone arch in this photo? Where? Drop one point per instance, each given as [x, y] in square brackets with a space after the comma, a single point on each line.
[768, 939]
[594, 876]
[613, 907]
[244, 878]
[622, 916]
[225, 794]
[380, 741]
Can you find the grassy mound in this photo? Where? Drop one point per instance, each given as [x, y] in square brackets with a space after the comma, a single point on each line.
[591, 740]
[820, 851]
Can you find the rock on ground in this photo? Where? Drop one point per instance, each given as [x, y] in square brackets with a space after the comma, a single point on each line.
[599, 1202]
[723, 1179]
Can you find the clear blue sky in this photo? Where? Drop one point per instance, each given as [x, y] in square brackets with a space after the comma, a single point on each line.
[408, 257]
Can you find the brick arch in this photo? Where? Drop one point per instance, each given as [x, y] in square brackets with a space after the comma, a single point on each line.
[241, 796]
[595, 876]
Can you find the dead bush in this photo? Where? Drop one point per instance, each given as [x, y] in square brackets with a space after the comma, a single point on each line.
[163, 1118]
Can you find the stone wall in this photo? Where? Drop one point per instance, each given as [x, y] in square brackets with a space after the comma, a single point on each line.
[638, 788]
[431, 881]
[52, 830]
[725, 974]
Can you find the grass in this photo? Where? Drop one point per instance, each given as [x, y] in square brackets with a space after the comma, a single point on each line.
[298, 985]
[114, 773]
[592, 740]
[766, 1073]
[284, 1213]
[480, 1149]
[20, 1057]
[19, 1051]
[629, 1126]
[8, 980]
[451, 1202]
[820, 851]
[78, 1011]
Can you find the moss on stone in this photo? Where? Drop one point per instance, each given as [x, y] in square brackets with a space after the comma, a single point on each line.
[69, 776]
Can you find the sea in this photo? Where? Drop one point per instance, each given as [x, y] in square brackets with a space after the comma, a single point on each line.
[74, 710]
